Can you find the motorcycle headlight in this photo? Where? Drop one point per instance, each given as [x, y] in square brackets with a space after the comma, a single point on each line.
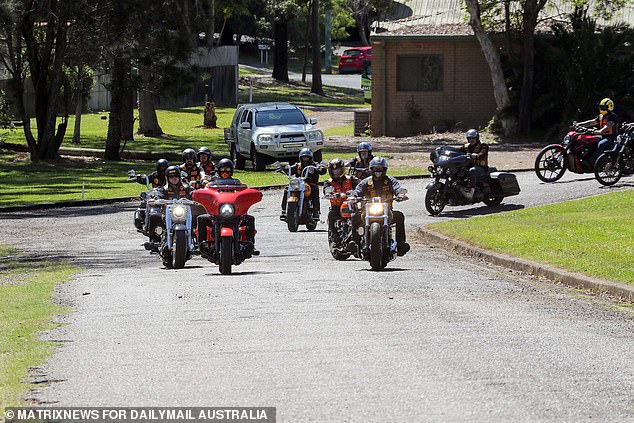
[376, 209]
[227, 210]
[295, 184]
[179, 213]
[566, 140]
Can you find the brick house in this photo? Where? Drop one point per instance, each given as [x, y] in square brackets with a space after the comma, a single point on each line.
[429, 72]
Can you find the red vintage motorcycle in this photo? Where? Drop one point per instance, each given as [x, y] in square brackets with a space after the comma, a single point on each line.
[225, 242]
[574, 154]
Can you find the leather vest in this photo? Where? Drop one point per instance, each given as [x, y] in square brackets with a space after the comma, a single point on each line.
[345, 186]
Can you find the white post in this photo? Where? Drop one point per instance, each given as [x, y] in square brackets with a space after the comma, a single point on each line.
[82, 189]
[250, 90]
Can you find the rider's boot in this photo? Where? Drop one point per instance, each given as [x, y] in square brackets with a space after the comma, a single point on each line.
[402, 249]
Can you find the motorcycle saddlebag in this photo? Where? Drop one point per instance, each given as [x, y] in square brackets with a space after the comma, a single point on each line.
[505, 182]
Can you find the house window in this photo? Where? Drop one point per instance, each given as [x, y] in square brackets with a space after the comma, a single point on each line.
[419, 73]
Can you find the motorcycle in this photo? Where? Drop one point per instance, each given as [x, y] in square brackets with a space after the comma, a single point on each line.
[226, 238]
[299, 206]
[619, 161]
[450, 173]
[343, 226]
[377, 245]
[573, 154]
[177, 244]
[144, 210]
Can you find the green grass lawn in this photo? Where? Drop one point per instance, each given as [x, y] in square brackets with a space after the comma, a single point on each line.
[345, 130]
[591, 236]
[26, 309]
[22, 182]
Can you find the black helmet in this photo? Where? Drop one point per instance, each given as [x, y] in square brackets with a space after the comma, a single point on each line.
[378, 167]
[225, 165]
[473, 134]
[364, 146]
[161, 165]
[306, 152]
[335, 165]
[173, 171]
[189, 154]
[205, 151]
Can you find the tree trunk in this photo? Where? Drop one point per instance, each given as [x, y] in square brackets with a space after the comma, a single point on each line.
[148, 121]
[316, 88]
[117, 95]
[280, 56]
[361, 21]
[531, 12]
[306, 44]
[211, 24]
[127, 111]
[79, 107]
[500, 90]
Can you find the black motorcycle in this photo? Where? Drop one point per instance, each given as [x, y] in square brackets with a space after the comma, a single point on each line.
[450, 173]
[619, 161]
[338, 241]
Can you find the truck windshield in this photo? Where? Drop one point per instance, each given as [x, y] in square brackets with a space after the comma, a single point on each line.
[279, 117]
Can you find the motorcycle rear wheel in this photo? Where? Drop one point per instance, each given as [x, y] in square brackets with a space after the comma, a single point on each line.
[292, 217]
[608, 169]
[434, 201]
[376, 247]
[226, 255]
[311, 224]
[550, 164]
[180, 246]
[338, 254]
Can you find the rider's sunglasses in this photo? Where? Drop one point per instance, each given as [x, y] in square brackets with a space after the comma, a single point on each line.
[603, 107]
[471, 138]
[224, 169]
[174, 177]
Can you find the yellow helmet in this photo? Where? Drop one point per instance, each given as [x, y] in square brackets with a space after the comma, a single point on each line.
[606, 105]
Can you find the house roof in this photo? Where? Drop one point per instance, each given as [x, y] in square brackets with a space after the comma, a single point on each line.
[449, 17]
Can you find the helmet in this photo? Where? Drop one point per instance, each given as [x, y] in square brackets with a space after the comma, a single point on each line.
[335, 168]
[378, 167]
[606, 105]
[364, 146]
[173, 171]
[189, 154]
[225, 166]
[161, 165]
[473, 134]
[306, 152]
[205, 151]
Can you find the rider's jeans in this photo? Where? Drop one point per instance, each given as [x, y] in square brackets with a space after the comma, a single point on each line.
[475, 173]
[606, 144]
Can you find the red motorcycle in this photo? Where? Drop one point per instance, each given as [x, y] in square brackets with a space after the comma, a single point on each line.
[225, 242]
[574, 154]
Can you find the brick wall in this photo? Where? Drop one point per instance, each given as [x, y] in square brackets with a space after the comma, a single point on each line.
[466, 99]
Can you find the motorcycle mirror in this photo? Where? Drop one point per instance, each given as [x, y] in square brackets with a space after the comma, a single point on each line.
[403, 191]
[351, 192]
[329, 190]
[131, 173]
[143, 195]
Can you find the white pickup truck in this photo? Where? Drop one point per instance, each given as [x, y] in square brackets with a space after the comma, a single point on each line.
[267, 132]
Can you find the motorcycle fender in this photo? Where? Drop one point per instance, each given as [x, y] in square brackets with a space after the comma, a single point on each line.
[293, 199]
[226, 231]
[434, 185]
[179, 227]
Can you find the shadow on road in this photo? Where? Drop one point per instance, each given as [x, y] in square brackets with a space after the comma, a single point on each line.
[69, 212]
[482, 211]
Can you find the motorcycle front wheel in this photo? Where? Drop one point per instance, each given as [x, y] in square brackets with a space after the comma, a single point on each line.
[311, 224]
[608, 169]
[180, 249]
[292, 217]
[226, 255]
[493, 201]
[376, 246]
[434, 201]
[550, 164]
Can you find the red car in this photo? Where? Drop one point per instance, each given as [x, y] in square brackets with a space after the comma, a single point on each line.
[352, 59]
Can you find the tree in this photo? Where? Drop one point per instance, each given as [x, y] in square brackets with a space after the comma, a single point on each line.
[316, 87]
[5, 115]
[365, 12]
[280, 12]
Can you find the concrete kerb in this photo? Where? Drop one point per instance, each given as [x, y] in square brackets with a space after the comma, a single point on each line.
[572, 279]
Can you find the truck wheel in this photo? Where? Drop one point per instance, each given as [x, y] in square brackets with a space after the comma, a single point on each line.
[236, 158]
[258, 160]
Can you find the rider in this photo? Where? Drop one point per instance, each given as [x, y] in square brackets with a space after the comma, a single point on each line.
[205, 162]
[157, 178]
[386, 187]
[225, 169]
[479, 153]
[342, 184]
[362, 161]
[607, 121]
[194, 172]
[305, 160]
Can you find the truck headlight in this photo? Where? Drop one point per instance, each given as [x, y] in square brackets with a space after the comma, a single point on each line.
[314, 136]
[227, 210]
[265, 138]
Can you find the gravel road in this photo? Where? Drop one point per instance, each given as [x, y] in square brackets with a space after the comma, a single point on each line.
[435, 337]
